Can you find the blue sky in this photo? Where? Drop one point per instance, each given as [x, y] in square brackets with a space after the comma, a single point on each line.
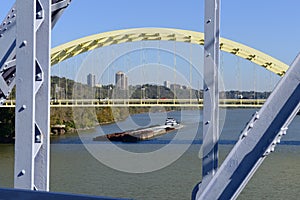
[267, 25]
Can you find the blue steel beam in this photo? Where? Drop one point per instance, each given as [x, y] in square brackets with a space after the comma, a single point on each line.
[211, 90]
[258, 139]
[32, 95]
[16, 194]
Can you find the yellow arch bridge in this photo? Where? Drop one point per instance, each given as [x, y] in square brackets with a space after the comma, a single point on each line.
[89, 43]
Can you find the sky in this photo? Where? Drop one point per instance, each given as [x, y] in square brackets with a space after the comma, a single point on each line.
[267, 25]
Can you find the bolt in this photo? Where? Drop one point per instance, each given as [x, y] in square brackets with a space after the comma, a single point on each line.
[283, 132]
[24, 107]
[251, 125]
[24, 43]
[207, 55]
[208, 21]
[39, 14]
[38, 138]
[245, 134]
[257, 115]
[272, 149]
[278, 140]
[39, 76]
[22, 173]
[206, 123]
[206, 89]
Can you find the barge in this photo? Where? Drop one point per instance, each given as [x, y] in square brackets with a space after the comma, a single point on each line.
[142, 134]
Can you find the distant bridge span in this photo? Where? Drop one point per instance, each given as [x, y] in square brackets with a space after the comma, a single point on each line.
[89, 103]
[76, 47]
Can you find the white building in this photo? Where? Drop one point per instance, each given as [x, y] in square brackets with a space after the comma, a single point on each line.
[91, 80]
[121, 81]
[167, 84]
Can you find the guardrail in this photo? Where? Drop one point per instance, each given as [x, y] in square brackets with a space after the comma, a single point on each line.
[227, 103]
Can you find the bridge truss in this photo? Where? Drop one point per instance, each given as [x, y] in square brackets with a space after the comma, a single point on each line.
[26, 36]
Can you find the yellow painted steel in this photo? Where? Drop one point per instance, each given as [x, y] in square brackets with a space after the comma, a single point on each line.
[73, 48]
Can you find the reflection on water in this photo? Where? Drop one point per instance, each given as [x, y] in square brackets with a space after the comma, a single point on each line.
[74, 170]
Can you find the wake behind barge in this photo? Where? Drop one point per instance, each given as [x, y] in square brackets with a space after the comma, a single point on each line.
[142, 134]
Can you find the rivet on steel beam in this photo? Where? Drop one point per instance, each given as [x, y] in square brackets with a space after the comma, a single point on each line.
[245, 134]
[38, 138]
[1, 35]
[278, 140]
[251, 125]
[22, 108]
[257, 115]
[39, 15]
[283, 131]
[24, 43]
[272, 149]
[22, 173]
[39, 77]
[206, 123]
[206, 89]
[207, 55]
[208, 21]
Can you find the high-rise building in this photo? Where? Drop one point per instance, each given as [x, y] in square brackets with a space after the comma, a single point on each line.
[91, 80]
[121, 81]
[167, 84]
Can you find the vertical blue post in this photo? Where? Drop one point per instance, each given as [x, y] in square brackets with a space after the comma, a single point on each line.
[25, 93]
[32, 95]
[211, 90]
[210, 95]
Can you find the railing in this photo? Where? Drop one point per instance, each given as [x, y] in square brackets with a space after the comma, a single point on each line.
[227, 103]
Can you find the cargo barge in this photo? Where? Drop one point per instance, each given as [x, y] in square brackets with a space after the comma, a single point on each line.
[142, 134]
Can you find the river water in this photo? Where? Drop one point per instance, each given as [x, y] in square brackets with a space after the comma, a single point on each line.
[76, 168]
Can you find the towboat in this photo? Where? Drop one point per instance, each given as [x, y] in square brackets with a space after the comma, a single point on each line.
[171, 122]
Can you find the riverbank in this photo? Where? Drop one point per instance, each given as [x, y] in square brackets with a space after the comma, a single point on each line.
[73, 120]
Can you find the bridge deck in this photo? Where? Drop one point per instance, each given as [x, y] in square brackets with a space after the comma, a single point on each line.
[227, 103]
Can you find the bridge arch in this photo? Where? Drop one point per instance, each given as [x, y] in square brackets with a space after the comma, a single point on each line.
[76, 47]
